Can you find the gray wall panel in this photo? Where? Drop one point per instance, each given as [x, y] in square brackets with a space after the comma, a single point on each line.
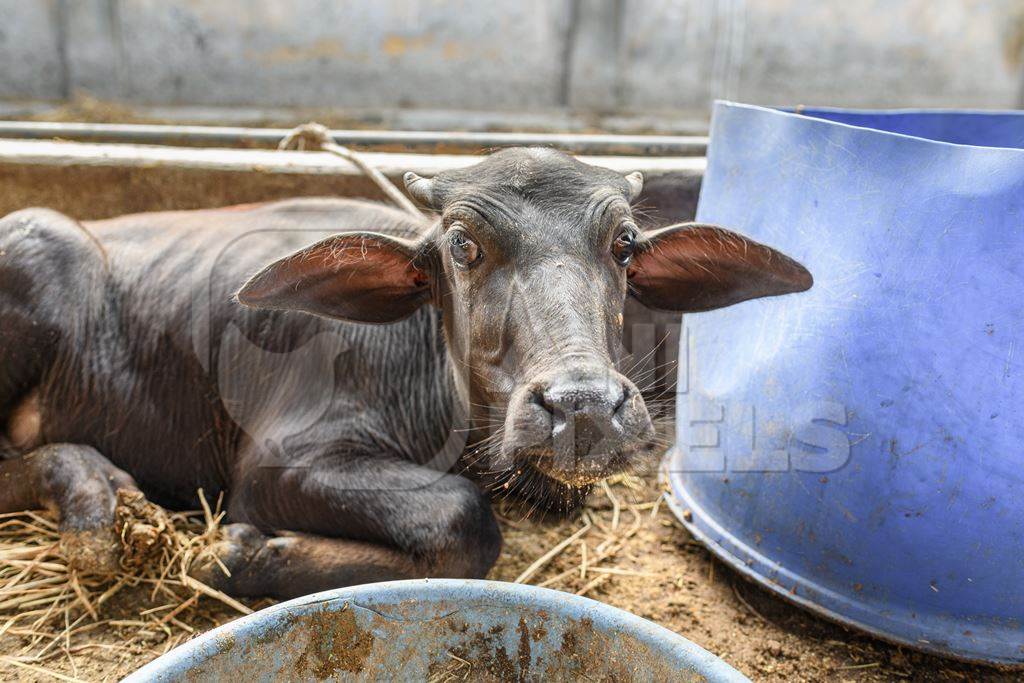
[602, 56]
[415, 53]
[684, 53]
[31, 65]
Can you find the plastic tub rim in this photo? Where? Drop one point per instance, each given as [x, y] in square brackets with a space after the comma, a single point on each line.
[879, 131]
[729, 549]
[180, 660]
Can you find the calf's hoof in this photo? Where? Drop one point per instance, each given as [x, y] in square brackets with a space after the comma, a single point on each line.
[239, 545]
[91, 551]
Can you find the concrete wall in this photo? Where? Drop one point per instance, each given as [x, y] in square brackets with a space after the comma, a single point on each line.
[603, 56]
[31, 46]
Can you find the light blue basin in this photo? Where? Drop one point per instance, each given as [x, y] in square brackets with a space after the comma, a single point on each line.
[440, 629]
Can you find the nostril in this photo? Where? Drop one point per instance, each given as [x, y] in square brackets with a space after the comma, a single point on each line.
[623, 395]
[538, 396]
[600, 399]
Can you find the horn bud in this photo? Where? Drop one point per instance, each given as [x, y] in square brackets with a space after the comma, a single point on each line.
[421, 189]
[635, 180]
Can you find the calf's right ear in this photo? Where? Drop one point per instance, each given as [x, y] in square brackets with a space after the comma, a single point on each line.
[360, 277]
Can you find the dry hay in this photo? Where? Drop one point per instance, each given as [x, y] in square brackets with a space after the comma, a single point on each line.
[52, 607]
[608, 532]
[57, 612]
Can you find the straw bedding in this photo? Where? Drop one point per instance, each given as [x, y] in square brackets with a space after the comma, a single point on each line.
[52, 607]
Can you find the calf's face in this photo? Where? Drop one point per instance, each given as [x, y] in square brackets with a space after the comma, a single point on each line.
[531, 262]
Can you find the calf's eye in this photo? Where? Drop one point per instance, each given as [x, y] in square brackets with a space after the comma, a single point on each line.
[624, 246]
[465, 252]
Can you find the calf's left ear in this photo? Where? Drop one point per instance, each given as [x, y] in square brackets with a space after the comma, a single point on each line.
[361, 277]
[694, 267]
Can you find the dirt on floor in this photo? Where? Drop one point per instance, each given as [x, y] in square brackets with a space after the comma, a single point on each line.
[628, 551]
[682, 587]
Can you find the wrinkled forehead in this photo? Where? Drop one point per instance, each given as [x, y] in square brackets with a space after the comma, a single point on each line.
[534, 180]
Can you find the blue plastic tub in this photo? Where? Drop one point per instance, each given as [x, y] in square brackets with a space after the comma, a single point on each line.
[859, 448]
[439, 630]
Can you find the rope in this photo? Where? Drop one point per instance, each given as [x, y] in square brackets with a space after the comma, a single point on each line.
[314, 136]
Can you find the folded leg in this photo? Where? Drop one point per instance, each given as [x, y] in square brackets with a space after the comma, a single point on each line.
[342, 520]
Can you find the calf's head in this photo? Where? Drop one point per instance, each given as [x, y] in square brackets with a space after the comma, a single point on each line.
[530, 262]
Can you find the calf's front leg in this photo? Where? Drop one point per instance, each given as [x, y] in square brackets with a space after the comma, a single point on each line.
[340, 520]
[288, 565]
[80, 485]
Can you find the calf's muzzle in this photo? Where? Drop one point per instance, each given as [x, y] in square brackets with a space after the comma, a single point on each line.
[578, 425]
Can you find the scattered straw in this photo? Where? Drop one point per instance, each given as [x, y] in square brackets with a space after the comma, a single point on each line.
[618, 571]
[593, 584]
[616, 505]
[49, 605]
[458, 669]
[38, 669]
[604, 540]
[216, 594]
[656, 507]
[750, 608]
[549, 555]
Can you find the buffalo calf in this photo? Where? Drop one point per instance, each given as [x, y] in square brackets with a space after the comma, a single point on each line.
[354, 380]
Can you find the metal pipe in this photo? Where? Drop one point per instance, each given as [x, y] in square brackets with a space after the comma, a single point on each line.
[412, 141]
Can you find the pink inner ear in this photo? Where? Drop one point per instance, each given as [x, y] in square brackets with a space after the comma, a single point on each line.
[361, 277]
[695, 268]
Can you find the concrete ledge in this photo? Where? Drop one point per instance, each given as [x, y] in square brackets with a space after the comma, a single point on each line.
[430, 142]
[91, 180]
